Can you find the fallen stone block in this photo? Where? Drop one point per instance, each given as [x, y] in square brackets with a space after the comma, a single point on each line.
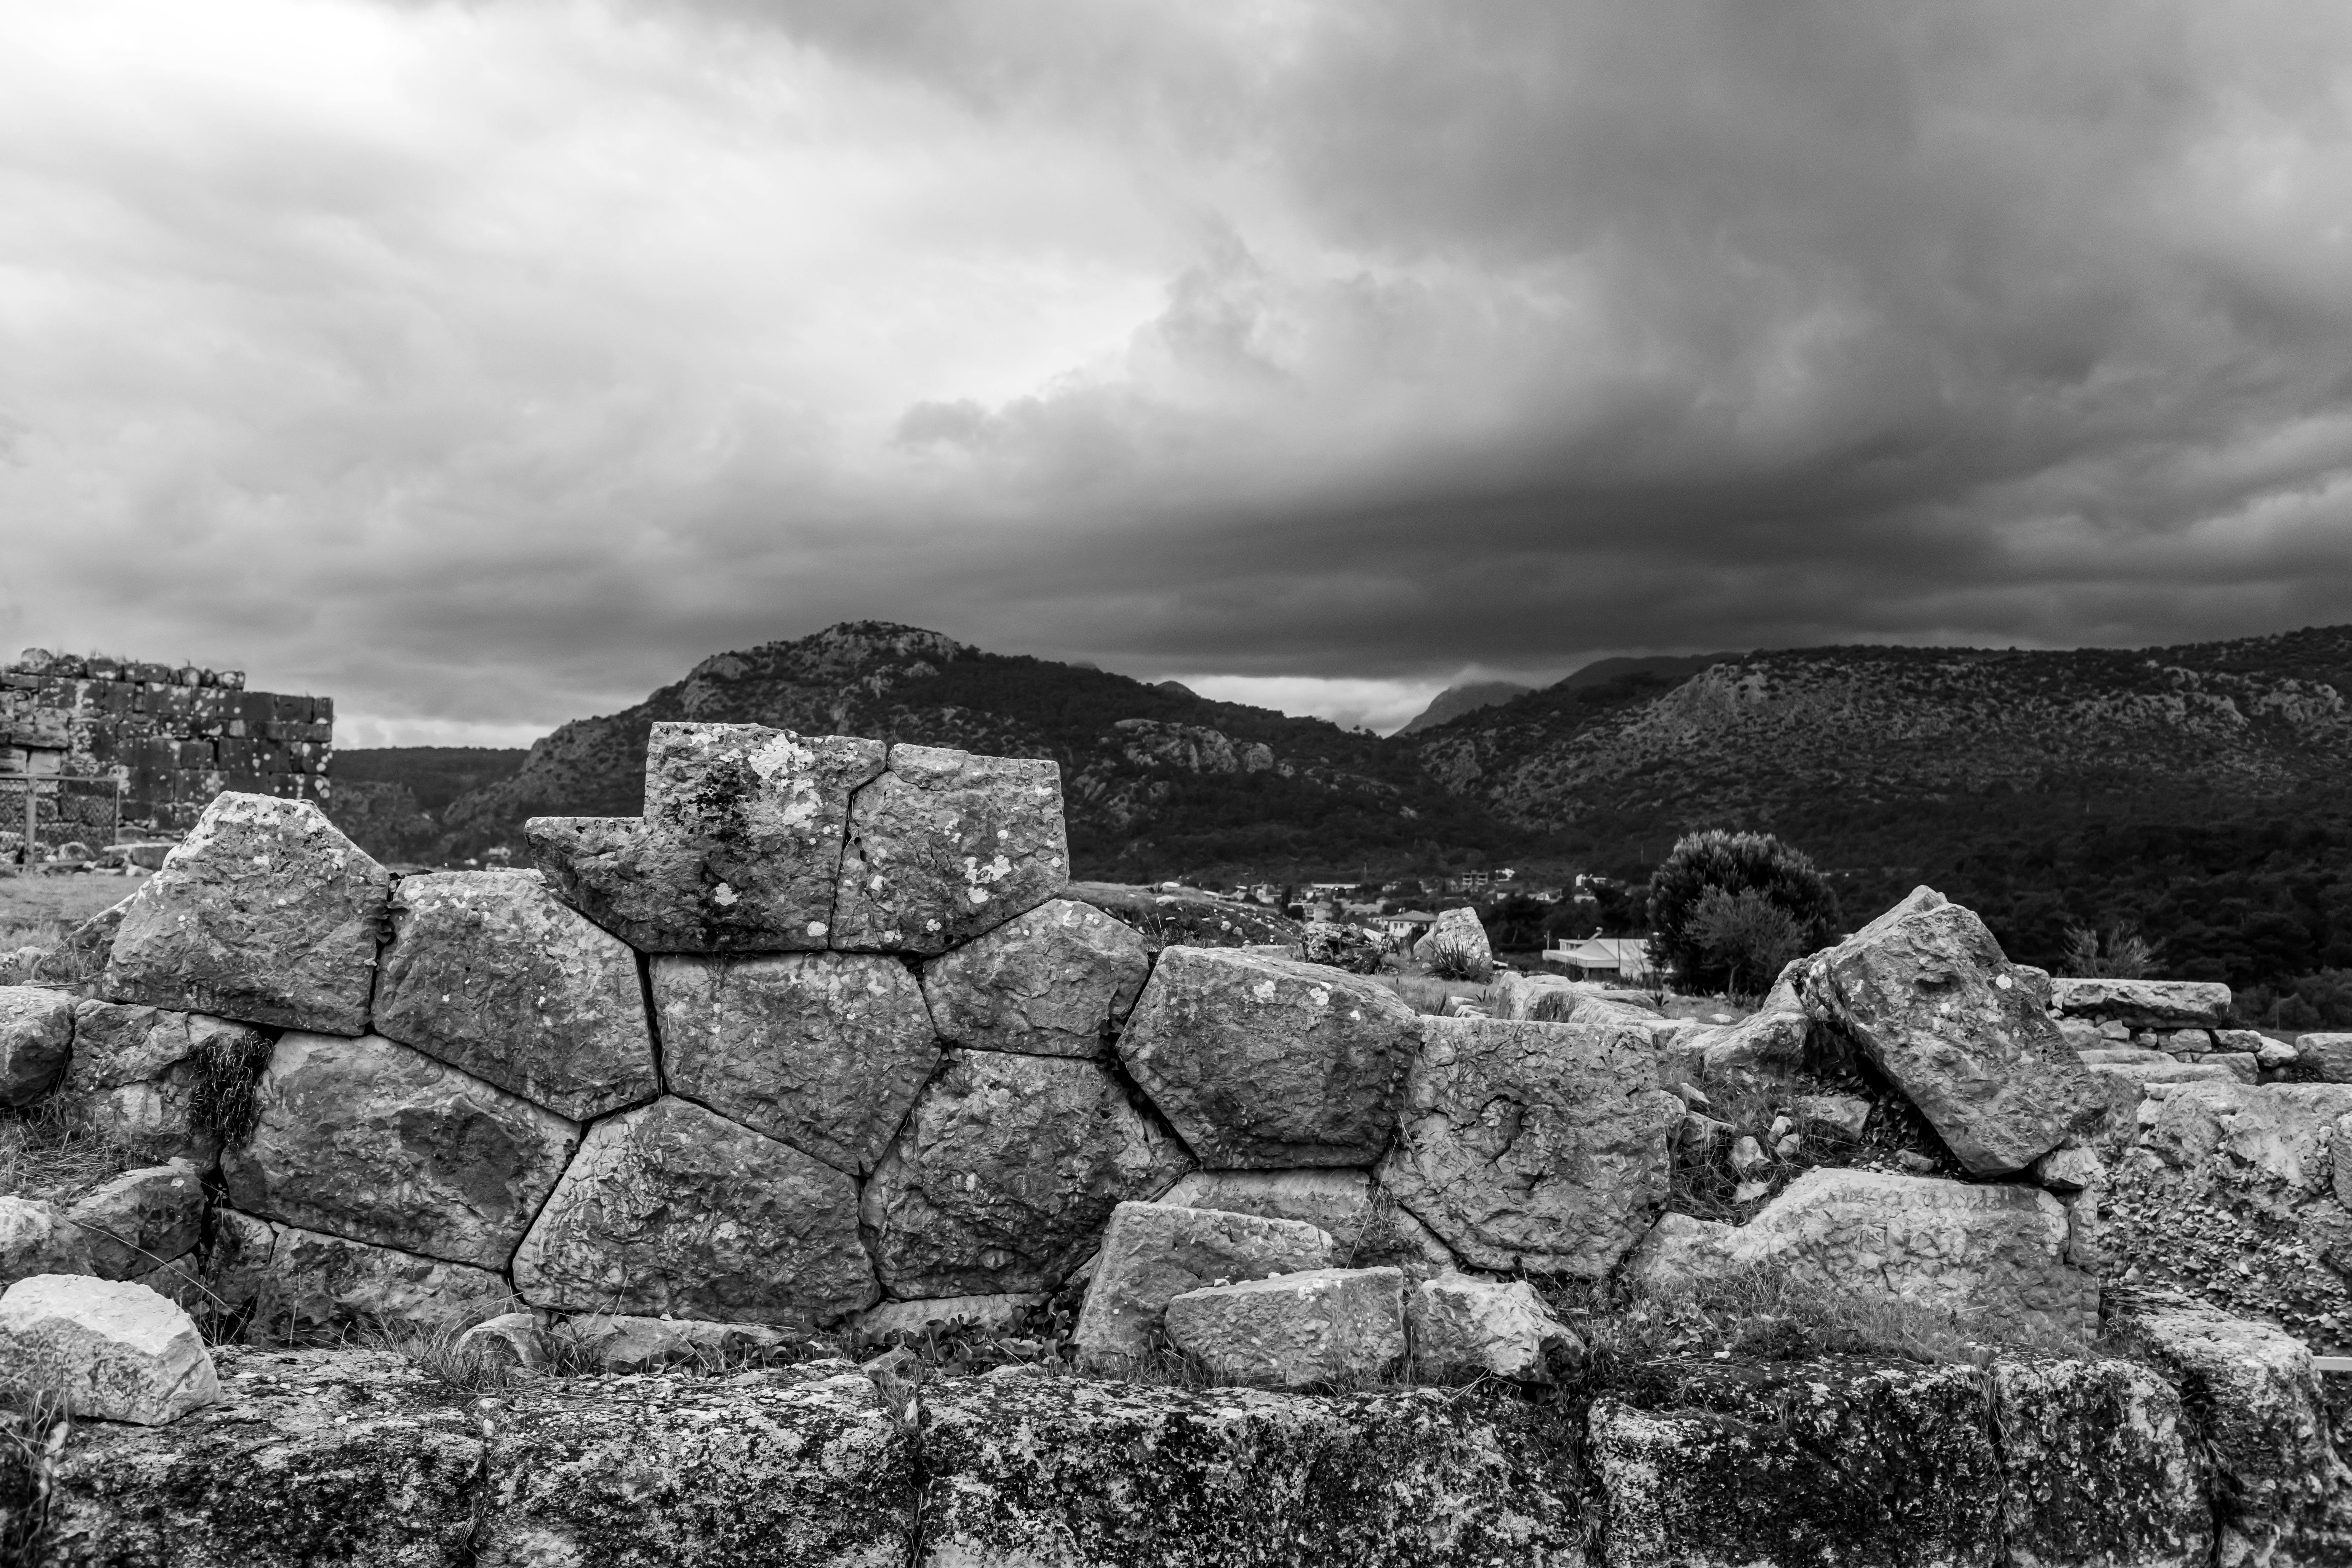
[1264, 1062]
[1338, 1202]
[1464, 1327]
[615, 1342]
[113, 1350]
[1153, 1252]
[266, 913]
[284, 1283]
[2329, 1057]
[35, 1240]
[157, 1085]
[945, 846]
[371, 1140]
[1541, 1146]
[823, 1051]
[671, 1208]
[2146, 1003]
[35, 1037]
[1055, 981]
[1322, 1326]
[1007, 1167]
[488, 972]
[133, 1224]
[1002, 1313]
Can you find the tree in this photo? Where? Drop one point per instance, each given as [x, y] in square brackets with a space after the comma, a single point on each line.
[1746, 935]
[1780, 877]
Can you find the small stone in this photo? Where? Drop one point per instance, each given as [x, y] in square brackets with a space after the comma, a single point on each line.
[1152, 1253]
[2071, 1170]
[1782, 1127]
[1789, 1147]
[945, 846]
[1912, 1160]
[2272, 1055]
[1750, 1192]
[1055, 982]
[36, 1036]
[1337, 1326]
[516, 1339]
[135, 1223]
[1845, 1114]
[1747, 1157]
[1465, 1328]
[118, 1351]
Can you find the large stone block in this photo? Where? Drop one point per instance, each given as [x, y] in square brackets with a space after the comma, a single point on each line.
[1005, 1169]
[739, 849]
[1338, 1202]
[488, 972]
[36, 1036]
[1341, 1326]
[158, 1085]
[822, 1051]
[134, 1222]
[1993, 1257]
[945, 846]
[1930, 998]
[1264, 1062]
[1541, 1146]
[2101, 1465]
[671, 1208]
[284, 1283]
[266, 913]
[117, 1352]
[1055, 982]
[2156, 1003]
[371, 1140]
[1153, 1253]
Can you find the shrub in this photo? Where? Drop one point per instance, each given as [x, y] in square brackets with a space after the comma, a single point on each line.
[2125, 954]
[1746, 935]
[1780, 879]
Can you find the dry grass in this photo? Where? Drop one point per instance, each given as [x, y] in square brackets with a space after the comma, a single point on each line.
[44, 1155]
[37, 910]
[34, 1430]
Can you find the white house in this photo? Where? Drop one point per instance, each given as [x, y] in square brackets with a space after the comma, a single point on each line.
[1603, 957]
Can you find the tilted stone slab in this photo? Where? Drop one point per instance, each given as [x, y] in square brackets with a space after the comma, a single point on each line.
[1338, 1202]
[371, 1140]
[284, 1283]
[671, 1208]
[266, 913]
[35, 1037]
[115, 1350]
[154, 1083]
[1152, 1253]
[2158, 1003]
[1005, 1170]
[1323, 1326]
[1055, 982]
[1541, 1146]
[1266, 1062]
[739, 849]
[488, 972]
[822, 1051]
[1994, 1256]
[1929, 997]
[134, 1222]
[945, 846]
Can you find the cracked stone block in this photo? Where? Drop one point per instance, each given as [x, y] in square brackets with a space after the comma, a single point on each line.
[1153, 1253]
[1341, 1326]
[945, 846]
[1338, 1202]
[1055, 981]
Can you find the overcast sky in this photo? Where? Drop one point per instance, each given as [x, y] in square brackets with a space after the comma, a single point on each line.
[486, 364]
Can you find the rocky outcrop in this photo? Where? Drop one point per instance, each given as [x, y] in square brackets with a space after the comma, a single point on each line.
[112, 1349]
[1541, 1146]
[1465, 1327]
[488, 973]
[36, 1036]
[1152, 1253]
[945, 846]
[1338, 1202]
[1055, 981]
[158, 1085]
[283, 1283]
[1266, 1062]
[671, 1208]
[1007, 1167]
[369, 1140]
[265, 913]
[823, 1051]
[1929, 997]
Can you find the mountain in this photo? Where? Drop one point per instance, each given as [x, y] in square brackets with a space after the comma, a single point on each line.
[1601, 671]
[1455, 701]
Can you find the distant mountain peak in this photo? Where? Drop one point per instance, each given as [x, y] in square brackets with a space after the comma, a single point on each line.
[1455, 701]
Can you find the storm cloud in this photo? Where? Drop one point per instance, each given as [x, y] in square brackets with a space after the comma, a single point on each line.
[484, 364]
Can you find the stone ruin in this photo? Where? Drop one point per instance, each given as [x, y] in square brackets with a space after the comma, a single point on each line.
[817, 1044]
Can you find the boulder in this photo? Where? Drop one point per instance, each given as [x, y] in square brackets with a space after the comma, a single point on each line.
[285, 1283]
[266, 913]
[1336, 1202]
[1152, 1253]
[611, 1342]
[1266, 1062]
[999, 1314]
[1187, 916]
[369, 1139]
[115, 1350]
[1926, 994]
[1007, 1167]
[35, 1037]
[823, 1051]
[1542, 1146]
[1459, 939]
[944, 846]
[1340, 946]
[2327, 1057]
[488, 973]
[155, 1085]
[134, 1222]
[2149, 1003]
[1322, 1326]
[1465, 1327]
[672, 1209]
[1993, 1258]
[1055, 981]
[739, 848]
[35, 1240]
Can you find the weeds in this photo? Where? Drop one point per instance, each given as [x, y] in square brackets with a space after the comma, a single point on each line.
[1452, 962]
[35, 1428]
[44, 1153]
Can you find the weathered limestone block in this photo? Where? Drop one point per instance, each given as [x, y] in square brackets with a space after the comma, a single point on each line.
[266, 913]
[738, 851]
[1053, 982]
[997, 1314]
[945, 846]
[1109, 1475]
[1465, 1328]
[2100, 1465]
[1266, 1062]
[616, 1343]
[289, 1283]
[1005, 1169]
[671, 1208]
[134, 1222]
[1336, 1201]
[1541, 1146]
[1995, 1257]
[1458, 936]
[714, 1476]
[488, 972]
[117, 1352]
[1152, 1253]
[1930, 998]
[36, 1036]
[1323, 1326]
[2148, 1004]
[822, 1051]
[1762, 1043]
[155, 1084]
[369, 1139]
[2328, 1056]
[35, 1240]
